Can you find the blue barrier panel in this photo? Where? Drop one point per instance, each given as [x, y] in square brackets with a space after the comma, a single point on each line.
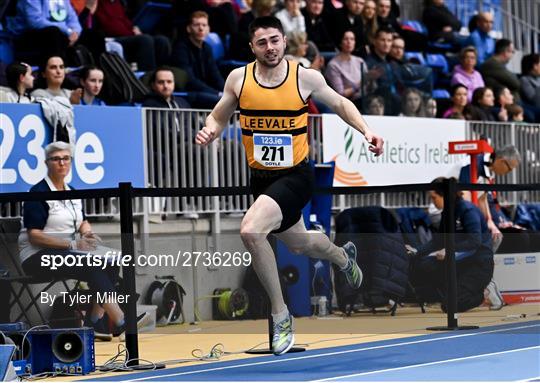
[109, 147]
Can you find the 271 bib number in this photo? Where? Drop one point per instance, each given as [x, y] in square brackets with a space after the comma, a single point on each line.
[273, 150]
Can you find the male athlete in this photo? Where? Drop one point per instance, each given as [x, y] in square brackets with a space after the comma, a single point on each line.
[272, 94]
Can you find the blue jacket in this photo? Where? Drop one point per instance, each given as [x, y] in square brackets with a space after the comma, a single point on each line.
[39, 14]
[484, 44]
[472, 238]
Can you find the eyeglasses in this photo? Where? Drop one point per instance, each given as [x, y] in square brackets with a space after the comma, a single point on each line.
[58, 159]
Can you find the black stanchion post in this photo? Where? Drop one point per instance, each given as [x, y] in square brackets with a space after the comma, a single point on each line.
[128, 247]
[450, 195]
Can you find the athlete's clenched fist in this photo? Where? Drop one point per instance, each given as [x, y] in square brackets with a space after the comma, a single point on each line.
[205, 136]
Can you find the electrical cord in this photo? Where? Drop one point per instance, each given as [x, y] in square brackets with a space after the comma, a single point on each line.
[121, 361]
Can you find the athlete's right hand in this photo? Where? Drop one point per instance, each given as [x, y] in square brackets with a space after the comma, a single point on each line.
[205, 136]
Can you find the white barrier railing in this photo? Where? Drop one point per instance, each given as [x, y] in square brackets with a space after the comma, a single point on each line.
[188, 162]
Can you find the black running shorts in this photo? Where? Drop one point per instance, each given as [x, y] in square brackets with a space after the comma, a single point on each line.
[290, 188]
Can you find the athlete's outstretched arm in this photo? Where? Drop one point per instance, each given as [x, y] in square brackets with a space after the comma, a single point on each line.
[313, 82]
[219, 117]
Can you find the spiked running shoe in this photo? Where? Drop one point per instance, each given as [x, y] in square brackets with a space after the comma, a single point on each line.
[283, 338]
[352, 270]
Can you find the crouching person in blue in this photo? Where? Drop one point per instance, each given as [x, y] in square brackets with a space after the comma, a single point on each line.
[474, 259]
[59, 228]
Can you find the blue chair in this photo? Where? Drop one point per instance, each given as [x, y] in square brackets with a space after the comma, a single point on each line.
[6, 47]
[415, 25]
[440, 93]
[438, 62]
[218, 50]
[415, 56]
[150, 15]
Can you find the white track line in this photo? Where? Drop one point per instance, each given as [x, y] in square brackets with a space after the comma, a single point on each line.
[425, 364]
[293, 359]
[529, 379]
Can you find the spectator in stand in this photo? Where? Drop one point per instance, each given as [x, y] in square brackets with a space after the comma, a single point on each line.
[195, 56]
[412, 103]
[530, 79]
[346, 73]
[221, 16]
[442, 25]
[369, 18]
[494, 70]
[146, 50]
[481, 106]
[397, 50]
[515, 113]
[349, 18]
[85, 10]
[387, 14]
[297, 47]
[91, 82]
[381, 70]
[44, 28]
[20, 80]
[385, 17]
[465, 74]
[431, 108]
[459, 101]
[503, 98]
[374, 105]
[409, 74]
[239, 49]
[480, 38]
[291, 18]
[162, 84]
[53, 74]
[316, 29]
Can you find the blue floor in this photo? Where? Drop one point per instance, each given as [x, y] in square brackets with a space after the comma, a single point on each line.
[497, 353]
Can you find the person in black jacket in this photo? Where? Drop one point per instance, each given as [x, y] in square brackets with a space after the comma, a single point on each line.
[349, 18]
[162, 84]
[442, 25]
[316, 28]
[195, 56]
[474, 259]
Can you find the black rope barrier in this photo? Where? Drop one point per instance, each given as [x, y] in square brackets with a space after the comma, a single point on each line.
[500, 187]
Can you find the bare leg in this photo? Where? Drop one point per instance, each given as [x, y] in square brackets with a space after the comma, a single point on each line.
[313, 244]
[261, 218]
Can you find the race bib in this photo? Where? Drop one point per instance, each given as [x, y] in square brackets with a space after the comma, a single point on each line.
[273, 150]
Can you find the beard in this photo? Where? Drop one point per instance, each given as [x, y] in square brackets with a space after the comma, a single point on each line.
[271, 60]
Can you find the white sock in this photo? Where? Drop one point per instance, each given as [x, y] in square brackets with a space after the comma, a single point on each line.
[280, 316]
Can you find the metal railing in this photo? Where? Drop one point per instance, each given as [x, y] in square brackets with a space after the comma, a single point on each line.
[191, 166]
[521, 23]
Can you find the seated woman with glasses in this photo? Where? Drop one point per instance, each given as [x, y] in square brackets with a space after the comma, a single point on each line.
[60, 229]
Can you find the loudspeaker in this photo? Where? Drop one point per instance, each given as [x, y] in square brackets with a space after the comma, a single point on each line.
[68, 350]
[73, 350]
[23, 350]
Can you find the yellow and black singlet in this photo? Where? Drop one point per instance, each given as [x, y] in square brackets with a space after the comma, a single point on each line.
[273, 121]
